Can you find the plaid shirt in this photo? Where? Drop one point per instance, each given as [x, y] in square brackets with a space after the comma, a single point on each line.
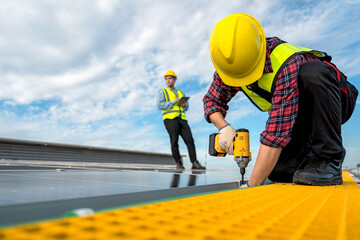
[283, 112]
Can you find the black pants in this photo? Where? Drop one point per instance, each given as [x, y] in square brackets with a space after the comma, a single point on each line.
[323, 108]
[176, 127]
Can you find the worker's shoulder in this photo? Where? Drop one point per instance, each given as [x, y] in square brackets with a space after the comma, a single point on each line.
[161, 92]
[272, 43]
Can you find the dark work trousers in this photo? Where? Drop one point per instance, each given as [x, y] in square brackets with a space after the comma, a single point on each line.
[323, 108]
[176, 127]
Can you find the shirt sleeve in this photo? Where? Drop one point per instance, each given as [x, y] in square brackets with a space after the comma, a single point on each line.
[162, 104]
[217, 97]
[284, 110]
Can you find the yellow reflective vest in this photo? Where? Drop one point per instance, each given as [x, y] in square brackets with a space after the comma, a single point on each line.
[176, 110]
[260, 92]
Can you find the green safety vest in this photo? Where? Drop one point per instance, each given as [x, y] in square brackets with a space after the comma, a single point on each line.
[176, 110]
[260, 92]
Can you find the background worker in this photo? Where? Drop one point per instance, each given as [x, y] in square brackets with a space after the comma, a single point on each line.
[307, 97]
[175, 122]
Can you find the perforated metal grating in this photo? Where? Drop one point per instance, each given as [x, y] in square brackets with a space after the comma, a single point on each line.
[277, 211]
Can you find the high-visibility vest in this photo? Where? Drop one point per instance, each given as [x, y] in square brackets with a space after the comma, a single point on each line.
[176, 110]
[261, 91]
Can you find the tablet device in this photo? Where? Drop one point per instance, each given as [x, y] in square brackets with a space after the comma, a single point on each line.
[183, 99]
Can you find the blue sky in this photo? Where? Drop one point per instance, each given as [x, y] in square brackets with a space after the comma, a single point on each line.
[88, 72]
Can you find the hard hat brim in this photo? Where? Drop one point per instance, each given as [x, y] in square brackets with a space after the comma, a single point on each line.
[170, 73]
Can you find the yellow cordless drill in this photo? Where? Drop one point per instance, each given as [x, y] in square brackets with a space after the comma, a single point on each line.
[242, 154]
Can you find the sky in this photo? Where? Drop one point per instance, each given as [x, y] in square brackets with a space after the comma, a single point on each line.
[88, 72]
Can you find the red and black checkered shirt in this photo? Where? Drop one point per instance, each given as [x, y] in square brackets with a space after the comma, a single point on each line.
[283, 112]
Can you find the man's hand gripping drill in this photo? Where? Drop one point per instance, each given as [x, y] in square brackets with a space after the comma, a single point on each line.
[221, 144]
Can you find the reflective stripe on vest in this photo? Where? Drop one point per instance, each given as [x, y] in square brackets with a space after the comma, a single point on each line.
[175, 111]
[278, 57]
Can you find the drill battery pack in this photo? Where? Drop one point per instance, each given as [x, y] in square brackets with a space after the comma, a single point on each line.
[214, 149]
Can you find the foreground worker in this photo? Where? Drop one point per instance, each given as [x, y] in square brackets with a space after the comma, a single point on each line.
[306, 96]
[175, 122]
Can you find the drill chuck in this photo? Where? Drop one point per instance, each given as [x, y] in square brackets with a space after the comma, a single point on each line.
[242, 163]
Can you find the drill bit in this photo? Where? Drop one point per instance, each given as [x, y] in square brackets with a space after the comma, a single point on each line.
[242, 171]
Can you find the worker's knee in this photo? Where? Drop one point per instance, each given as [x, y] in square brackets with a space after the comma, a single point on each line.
[174, 144]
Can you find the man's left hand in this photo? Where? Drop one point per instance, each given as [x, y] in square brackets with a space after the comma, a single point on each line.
[244, 186]
[182, 104]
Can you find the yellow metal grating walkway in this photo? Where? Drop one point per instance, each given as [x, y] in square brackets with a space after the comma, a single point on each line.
[276, 211]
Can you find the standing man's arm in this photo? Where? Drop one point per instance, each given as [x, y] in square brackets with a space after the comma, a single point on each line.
[185, 105]
[162, 104]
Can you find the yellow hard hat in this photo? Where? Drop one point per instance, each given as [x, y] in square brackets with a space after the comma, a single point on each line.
[238, 49]
[170, 73]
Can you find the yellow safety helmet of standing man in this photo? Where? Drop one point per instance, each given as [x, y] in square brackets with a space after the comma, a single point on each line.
[238, 49]
[170, 73]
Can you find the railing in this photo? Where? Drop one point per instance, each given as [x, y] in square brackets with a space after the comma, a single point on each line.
[12, 149]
